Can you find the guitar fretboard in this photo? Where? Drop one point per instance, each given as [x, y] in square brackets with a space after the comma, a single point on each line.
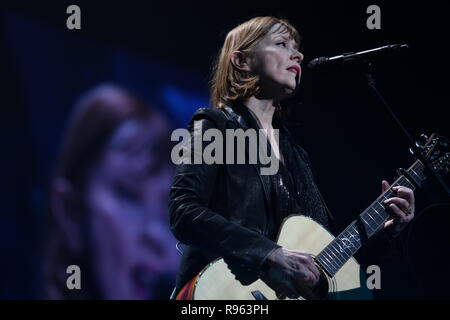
[369, 222]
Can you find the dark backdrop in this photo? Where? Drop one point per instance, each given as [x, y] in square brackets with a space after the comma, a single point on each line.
[163, 51]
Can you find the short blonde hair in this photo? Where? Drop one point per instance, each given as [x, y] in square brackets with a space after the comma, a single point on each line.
[228, 84]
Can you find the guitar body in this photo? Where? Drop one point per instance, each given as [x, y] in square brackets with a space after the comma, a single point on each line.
[216, 282]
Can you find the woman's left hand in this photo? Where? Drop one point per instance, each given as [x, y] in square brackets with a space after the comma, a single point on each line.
[401, 207]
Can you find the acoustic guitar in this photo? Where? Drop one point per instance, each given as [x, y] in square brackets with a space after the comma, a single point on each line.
[342, 277]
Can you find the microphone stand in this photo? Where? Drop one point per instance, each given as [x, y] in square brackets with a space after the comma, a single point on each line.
[415, 147]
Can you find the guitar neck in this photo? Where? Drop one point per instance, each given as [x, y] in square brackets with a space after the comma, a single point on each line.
[369, 222]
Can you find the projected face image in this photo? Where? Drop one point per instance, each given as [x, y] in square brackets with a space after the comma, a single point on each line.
[133, 250]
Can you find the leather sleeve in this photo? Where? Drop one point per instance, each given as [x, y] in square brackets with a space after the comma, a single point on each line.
[194, 223]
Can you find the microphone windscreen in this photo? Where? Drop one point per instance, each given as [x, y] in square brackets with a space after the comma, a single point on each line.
[317, 62]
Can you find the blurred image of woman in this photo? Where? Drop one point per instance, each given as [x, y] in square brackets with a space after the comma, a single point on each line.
[109, 202]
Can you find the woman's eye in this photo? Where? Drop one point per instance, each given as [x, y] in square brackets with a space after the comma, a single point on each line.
[126, 193]
[281, 43]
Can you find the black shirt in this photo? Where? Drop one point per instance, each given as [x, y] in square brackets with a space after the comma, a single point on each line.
[293, 188]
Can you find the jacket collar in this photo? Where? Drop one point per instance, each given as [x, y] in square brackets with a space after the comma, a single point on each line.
[240, 113]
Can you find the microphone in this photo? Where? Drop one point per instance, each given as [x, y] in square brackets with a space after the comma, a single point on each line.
[321, 61]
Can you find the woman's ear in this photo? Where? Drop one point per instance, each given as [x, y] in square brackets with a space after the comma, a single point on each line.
[240, 60]
[65, 213]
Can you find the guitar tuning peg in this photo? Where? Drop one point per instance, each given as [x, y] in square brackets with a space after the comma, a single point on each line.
[423, 138]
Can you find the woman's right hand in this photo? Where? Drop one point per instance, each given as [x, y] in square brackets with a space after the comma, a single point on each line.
[289, 271]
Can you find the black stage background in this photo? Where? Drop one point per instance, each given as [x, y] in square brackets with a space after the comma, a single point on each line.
[351, 139]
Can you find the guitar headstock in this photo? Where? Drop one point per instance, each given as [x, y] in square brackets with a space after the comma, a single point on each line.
[436, 149]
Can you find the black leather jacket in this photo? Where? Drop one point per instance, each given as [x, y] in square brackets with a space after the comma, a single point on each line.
[225, 211]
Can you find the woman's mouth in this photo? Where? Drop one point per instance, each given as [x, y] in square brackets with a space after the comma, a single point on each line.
[152, 283]
[294, 69]
[144, 279]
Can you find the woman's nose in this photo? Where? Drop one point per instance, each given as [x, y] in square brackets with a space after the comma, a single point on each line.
[297, 55]
[156, 237]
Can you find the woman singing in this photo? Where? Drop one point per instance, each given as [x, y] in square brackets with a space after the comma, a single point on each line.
[231, 210]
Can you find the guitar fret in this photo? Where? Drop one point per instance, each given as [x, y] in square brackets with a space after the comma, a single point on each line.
[367, 224]
[324, 264]
[380, 215]
[324, 252]
[400, 182]
[357, 237]
[333, 263]
[327, 266]
[335, 253]
[332, 260]
[334, 267]
[417, 170]
[344, 246]
[342, 249]
[333, 256]
[420, 172]
[331, 252]
[377, 221]
[418, 167]
[404, 180]
[371, 216]
[413, 171]
[348, 237]
[407, 183]
[351, 237]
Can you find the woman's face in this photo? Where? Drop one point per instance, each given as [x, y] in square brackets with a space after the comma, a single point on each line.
[133, 250]
[276, 60]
